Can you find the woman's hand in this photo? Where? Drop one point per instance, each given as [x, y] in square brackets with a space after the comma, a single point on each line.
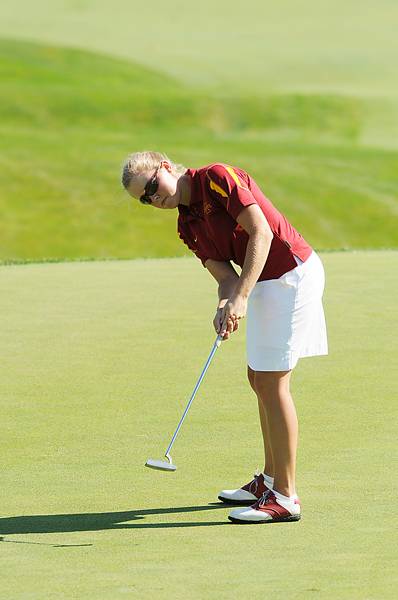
[227, 318]
[217, 321]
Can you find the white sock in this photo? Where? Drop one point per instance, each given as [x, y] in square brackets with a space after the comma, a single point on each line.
[269, 481]
[285, 501]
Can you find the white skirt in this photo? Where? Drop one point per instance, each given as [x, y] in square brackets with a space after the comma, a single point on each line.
[285, 318]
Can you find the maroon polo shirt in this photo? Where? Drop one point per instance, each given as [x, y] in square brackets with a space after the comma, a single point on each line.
[209, 228]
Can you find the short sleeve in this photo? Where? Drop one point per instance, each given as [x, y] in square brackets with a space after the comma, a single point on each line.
[229, 186]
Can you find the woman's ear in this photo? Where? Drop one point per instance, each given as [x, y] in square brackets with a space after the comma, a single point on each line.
[166, 165]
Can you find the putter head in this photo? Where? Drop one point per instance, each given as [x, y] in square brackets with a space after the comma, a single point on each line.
[160, 465]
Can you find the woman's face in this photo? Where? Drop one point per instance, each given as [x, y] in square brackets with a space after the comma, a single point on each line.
[166, 195]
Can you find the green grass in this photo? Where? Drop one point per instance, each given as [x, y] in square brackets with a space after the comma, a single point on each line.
[51, 87]
[99, 358]
[295, 94]
[68, 118]
[98, 361]
[346, 47]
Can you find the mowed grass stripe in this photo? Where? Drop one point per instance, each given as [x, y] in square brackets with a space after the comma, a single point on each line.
[98, 361]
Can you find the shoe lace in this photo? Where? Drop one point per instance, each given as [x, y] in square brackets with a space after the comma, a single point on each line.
[253, 485]
[266, 498]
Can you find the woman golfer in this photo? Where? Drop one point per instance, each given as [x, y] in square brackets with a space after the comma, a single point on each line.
[225, 218]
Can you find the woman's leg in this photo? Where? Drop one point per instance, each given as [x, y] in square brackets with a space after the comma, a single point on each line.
[273, 392]
[268, 460]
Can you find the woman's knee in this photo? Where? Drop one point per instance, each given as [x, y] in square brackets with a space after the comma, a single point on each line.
[271, 383]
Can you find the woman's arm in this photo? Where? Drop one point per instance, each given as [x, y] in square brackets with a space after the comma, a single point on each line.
[253, 221]
[227, 278]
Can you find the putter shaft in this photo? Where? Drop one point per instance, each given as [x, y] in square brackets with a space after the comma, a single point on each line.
[212, 353]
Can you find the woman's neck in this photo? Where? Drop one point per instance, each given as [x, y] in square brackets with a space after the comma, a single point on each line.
[184, 183]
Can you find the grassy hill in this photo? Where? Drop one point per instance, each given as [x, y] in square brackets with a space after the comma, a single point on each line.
[345, 47]
[68, 118]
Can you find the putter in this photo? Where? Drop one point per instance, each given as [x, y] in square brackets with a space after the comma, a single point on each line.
[168, 465]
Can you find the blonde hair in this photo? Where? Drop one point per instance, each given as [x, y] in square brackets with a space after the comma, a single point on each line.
[140, 162]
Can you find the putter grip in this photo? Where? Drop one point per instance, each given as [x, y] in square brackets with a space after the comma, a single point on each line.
[218, 341]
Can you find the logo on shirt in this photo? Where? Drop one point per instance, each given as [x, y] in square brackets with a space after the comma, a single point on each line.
[207, 207]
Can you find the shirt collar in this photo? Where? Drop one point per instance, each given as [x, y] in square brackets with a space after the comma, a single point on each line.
[195, 208]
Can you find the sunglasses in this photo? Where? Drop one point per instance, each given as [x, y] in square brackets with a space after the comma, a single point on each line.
[150, 188]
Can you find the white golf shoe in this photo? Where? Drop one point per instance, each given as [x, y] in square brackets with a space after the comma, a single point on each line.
[247, 494]
[267, 510]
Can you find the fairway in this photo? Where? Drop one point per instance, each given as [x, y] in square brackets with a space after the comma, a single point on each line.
[344, 46]
[98, 361]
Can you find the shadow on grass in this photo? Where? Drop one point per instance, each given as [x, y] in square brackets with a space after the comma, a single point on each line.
[101, 521]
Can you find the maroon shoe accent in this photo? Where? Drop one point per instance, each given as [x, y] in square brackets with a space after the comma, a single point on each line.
[256, 486]
[268, 503]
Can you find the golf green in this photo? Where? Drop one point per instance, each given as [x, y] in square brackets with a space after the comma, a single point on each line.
[98, 361]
